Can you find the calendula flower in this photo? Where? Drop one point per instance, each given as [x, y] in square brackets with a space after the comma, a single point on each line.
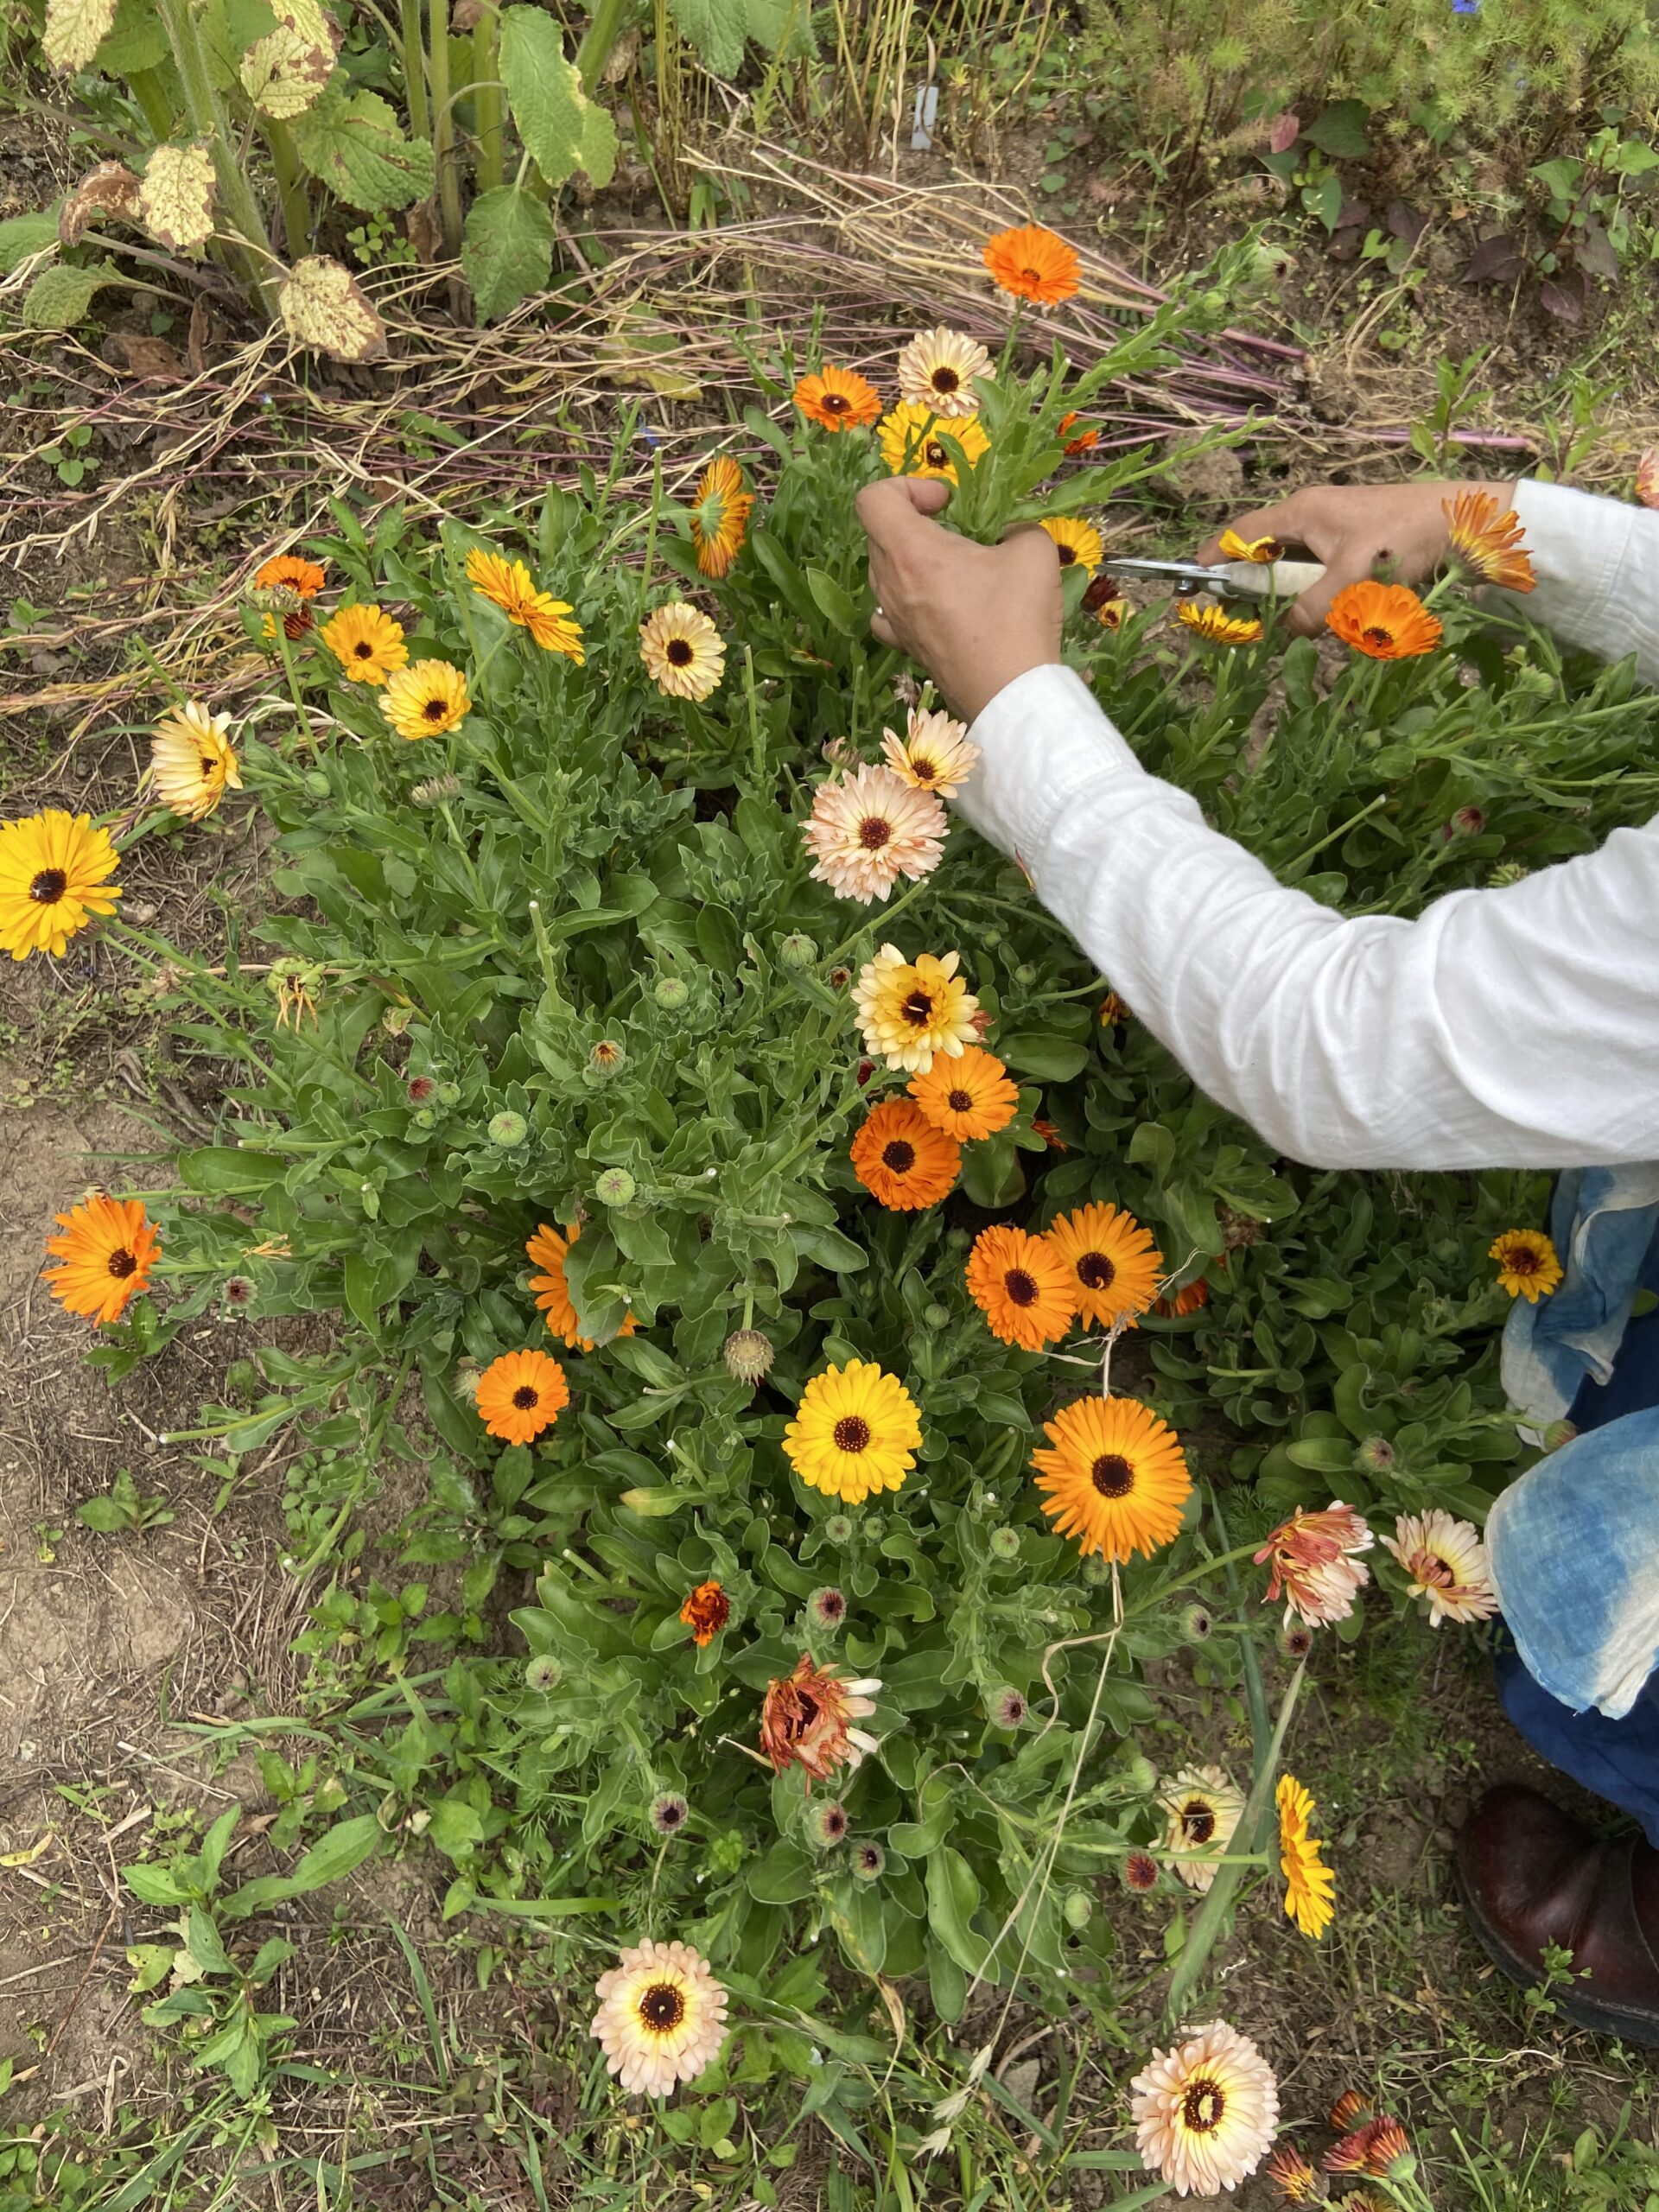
[668, 1812]
[1078, 542]
[870, 829]
[933, 755]
[54, 871]
[856, 1432]
[1111, 613]
[937, 371]
[1139, 1871]
[1032, 264]
[1291, 2176]
[827, 1609]
[425, 699]
[913, 441]
[868, 1860]
[1115, 1479]
[289, 572]
[1114, 1013]
[684, 653]
[1259, 550]
[1387, 621]
[107, 1248]
[1349, 2109]
[1205, 619]
[1375, 2148]
[748, 1356]
[1008, 1709]
[1202, 1810]
[1315, 1562]
[510, 585]
[1309, 1883]
[1020, 1284]
[838, 399]
[552, 1293]
[910, 1010]
[828, 1826]
[1485, 542]
[970, 1097]
[1189, 1299]
[705, 1611]
[192, 762]
[1114, 1265]
[661, 2017]
[521, 1393]
[1446, 1562]
[902, 1160]
[368, 645]
[1083, 441]
[1526, 1263]
[720, 518]
[806, 1721]
[1206, 2112]
[1647, 477]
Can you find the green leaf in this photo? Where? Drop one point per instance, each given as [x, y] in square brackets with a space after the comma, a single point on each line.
[220, 1168]
[1050, 1059]
[351, 141]
[785, 1874]
[60, 296]
[204, 1945]
[952, 1895]
[720, 29]
[21, 235]
[154, 1885]
[103, 1514]
[507, 249]
[1340, 131]
[562, 129]
[339, 1852]
[454, 1827]
[135, 41]
[832, 602]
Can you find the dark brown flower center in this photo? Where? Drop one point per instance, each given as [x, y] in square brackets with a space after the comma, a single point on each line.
[1112, 1475]
[1068, 554]
[835, 402]
[661, 2007]
[834, 1824]
[944, 380]
[1522, 1260]
[873, 833]
[852, 1434]
[899, 1157]
[922, 768]
[206, 763]
[123, 1263]
[1376, 635]
[435, 709]
[49, 886]
[363, 650]
[1203, 2106]
[525, 1396]
[1198, 1820]
[918, 1008]
[960, 1101]
[935, 455]
[1095, 1269]
[678, 652]
[1019, 1287]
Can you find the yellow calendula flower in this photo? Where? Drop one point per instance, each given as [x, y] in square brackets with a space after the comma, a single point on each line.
[1528, 1265]
[911, 1009]
[1259, 550]
[192, 762]
[368, 645]
[857, 1432]
[54, 871]
[684, 654]
[1309, 1884]
[426, 699]
[1076, 542]
[720, 518]
[912, 439]
[510, 585]
[1215, 625]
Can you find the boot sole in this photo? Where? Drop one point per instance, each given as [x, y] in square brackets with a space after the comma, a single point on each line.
[1641, 2028]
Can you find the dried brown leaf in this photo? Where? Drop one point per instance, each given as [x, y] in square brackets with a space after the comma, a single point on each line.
[110, 190]
[323, 307]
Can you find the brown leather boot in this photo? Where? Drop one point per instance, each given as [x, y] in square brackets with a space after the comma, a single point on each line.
[1528, 1876]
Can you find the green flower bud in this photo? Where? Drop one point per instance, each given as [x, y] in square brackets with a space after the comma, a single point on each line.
[449, 1094]
[615, 1187]
[1374, 1456]
[424, 1118]
[1197, 1624]
[796, 951]
[990, 939]
[1025, 973]
[937, 1316]
[607, 1057]
[672, 992]
[839, 1528]
[1078, 1908]
[868, 1859]
[542, 1673]
[1138, 1774]
[1097, 1570]
[317, 783]
[1559, 1433]
[508, 1129]
[873, 1527]
[1005, 1543]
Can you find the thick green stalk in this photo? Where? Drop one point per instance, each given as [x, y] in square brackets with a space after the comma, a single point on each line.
[207, 120]
[420, 115]
[290, 187]
[486, 99]
[599, 38]
[443, 122]
[149, 88]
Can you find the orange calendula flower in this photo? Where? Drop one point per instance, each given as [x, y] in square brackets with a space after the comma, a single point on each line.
[1528, 1264]
[1259, 550]
[1085, 442]
[1215, 625]
[902, 1160]
[1032, 264]
[520, 1395]
[1117, 1478]
[1485, 541]
[1315, 1562]
[365, 641]
[705, 1611]
[510, 585]
[54, 871]
[970, 1097]
[289, 572]
[552, 1293]
[720, 519]
[1114, 1264]
[1375, 2148]
[1189, 1299]
[107, 1249]
[1291, 2175]
[1349, 2109]
[838, 399]
[1386, 621]
[1078, 542]
[913, 441]
[1049, 1135]
[1022, 1285]
[1114, 1013]
[807, 1721]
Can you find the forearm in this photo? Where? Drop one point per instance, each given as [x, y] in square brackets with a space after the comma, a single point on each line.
[1597, 562]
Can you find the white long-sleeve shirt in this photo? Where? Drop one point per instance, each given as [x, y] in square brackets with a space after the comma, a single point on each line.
[1513, 1028]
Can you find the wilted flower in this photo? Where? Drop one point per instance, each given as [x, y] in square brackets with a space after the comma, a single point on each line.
[1295, 1641]
[748, 1356]
[1380, 2148]
[239, 1291]
[297, 985]
[705, 1611]
[1349, 2109]
[1206, 2112]
[1314, 1559]
[1139, 1871]
[806, 1720]
[1291, 2176]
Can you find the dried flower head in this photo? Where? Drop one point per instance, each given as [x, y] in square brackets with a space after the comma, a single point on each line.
[705, 1611]
[748, 1356]
[807, 1720]
[827, 1826]
[669, 1812]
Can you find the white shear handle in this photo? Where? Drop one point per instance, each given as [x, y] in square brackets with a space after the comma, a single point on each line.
[1268, 579]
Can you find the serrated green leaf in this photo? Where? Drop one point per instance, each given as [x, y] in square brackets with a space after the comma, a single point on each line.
[507, 250]
[60, 296]
[720, 29]
[135, 41]
[562, 129]
[352, 142]
[21, 235]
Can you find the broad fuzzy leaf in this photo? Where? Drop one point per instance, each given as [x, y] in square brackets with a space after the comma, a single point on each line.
[60, 296]
[74, 31]
[136, 41]
[562, 130]
[352, 142]
[321, 306]
[507, 250]
[720, 29]
[175, 201]
[287, 72]
[21, 235]
[109, 189]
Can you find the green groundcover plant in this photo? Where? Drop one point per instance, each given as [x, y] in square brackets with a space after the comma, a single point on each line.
[566, 972]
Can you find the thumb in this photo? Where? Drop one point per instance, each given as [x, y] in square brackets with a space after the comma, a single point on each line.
[898, 502]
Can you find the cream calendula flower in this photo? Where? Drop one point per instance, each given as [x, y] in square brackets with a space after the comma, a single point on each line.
[911, 1010]
[684, 653]
[661, 2018]
[867, 829]
[192, 762]
[934, 753]
[937, 370]
[1204, 1810]
[1205, 2113]
[1446, 1563]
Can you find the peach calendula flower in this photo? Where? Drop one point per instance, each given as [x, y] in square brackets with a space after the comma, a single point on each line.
[868, 829]
[1446, 1562]
[969, 1098]
[705, 1611]
[913, 441]
[1528, 1266]
[510, 585]
[1314, 1562]
[937, 371]
[1258, 550]
[1349, 2109]
[549, 1250]
[366, 642]
[806, 1721]
[911, 1010]
[684, 653]
[1085, 441]
[1020, 1284]
[838, 399]
[1647, 477]
[290, 572]
[1386, 621]
[1485, 542]
[1309, 1883]
[856, 1431]
[1205, 2113]
[933, 755]
[520, 1395]
[1380, 2147]
[1117, 1478]
[54, 871]
[1078, 542]
[1202, 1810]
[192, 762]
[1032, 264]
[661, 2018]
[107, 1248]
[720, 518]
[1205, 619]
[902, 1160]
[1114, 1264]
[425, 699]
[1295, 2180]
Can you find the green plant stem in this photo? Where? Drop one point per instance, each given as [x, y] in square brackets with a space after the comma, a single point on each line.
[489, 169]
[290, 188]
[149, 88]
[207, 120]
[414, 58]
[597, 41]
[443, 124]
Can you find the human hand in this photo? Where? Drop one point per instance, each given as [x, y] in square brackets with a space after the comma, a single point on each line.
[975, 616]
[1356, 529]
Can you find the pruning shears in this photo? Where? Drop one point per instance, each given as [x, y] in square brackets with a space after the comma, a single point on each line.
[1227, 579]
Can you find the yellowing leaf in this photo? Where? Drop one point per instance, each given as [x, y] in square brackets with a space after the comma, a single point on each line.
[74, 31]
[28, 1858]
[176, 197]
[321, 306]
[640, 351]
[285, 72]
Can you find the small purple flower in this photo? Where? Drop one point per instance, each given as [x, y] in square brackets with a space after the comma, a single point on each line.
[1465, 7]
